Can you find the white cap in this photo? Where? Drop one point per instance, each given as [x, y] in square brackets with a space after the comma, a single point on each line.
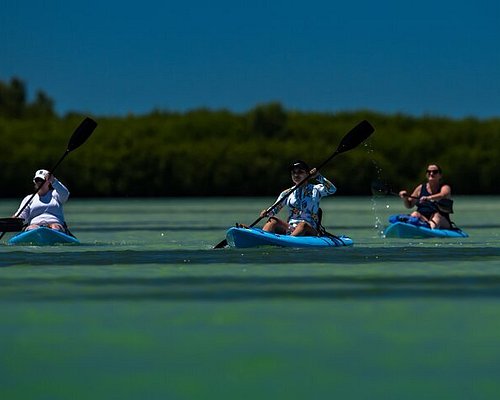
[41, 173]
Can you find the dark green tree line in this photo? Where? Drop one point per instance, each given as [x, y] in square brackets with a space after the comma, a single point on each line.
[219, 153]
[14, 104]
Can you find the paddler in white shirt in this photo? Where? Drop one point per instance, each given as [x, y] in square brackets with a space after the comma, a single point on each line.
[46, 208]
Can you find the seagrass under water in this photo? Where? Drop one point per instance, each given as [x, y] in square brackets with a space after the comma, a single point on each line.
[145, 308]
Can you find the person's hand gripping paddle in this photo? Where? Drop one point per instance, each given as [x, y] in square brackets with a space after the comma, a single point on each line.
[80, 135]
[352, 139]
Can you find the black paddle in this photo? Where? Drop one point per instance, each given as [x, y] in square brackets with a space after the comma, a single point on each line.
[80, 135]
[11, 224]
[353, 138]
[381, 188]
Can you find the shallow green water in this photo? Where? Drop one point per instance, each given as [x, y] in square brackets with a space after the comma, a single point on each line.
[144, 308]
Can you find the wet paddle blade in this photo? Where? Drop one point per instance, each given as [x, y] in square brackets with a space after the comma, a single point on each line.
[221, 244]
[81, 134]
[355, 136]
[11, 224]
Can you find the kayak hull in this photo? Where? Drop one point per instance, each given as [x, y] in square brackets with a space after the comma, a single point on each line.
[42, 237]
[410, 231]
[253, 237]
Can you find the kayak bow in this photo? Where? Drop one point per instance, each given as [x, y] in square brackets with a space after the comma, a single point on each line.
[42, 237]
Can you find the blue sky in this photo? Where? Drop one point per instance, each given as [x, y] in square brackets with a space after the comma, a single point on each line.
[118, 57]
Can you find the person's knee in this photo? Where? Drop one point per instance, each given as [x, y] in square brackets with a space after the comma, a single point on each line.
[273, 225]
[272, 221]
[270, 224]
[57, 227]
[436, 221]
[440, 222]
[304, 229]
[302, 225]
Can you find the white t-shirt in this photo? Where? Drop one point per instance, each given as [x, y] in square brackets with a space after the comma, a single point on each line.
[46, 209]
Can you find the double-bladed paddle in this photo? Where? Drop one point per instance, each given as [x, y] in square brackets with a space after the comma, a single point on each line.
[353, 138]
[381, 188]
[80, 135]
[11, 224]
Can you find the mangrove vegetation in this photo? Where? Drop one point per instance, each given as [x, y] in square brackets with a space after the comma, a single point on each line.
[221, 153]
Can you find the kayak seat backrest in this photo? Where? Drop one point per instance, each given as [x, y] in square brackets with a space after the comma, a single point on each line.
[445, 206]
[322, 230]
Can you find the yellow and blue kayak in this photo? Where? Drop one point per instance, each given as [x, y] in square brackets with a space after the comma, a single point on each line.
[42, 237]
[254, 237]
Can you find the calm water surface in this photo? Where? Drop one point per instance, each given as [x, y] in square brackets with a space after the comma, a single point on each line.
[144, 308]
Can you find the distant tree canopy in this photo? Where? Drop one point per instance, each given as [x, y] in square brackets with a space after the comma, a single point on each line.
[13, 103]
[220, 153]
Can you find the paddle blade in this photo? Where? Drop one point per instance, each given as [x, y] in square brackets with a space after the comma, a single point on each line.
[355, 136]
[221, 244]
[11, 224]
[81, 134]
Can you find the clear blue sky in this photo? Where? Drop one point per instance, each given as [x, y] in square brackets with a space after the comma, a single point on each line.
[115, 57]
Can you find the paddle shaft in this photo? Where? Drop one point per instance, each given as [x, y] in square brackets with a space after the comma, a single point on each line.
[443, 205]
[340, 149]
[11, 224]
[39, 187]
[381, 188]
[34, 194]
[79, 136]
[352, 139]
[223, 243]
[408, 196]
[293, 189]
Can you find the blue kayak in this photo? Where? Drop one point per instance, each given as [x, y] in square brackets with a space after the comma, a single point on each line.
[254, 237]
[42, 237]
[407, 230]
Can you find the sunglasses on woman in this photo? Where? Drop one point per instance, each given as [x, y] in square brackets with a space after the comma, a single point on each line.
[433, 171]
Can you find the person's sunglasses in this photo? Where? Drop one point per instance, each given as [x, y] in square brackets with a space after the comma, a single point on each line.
[39, 180]
[433, 171]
